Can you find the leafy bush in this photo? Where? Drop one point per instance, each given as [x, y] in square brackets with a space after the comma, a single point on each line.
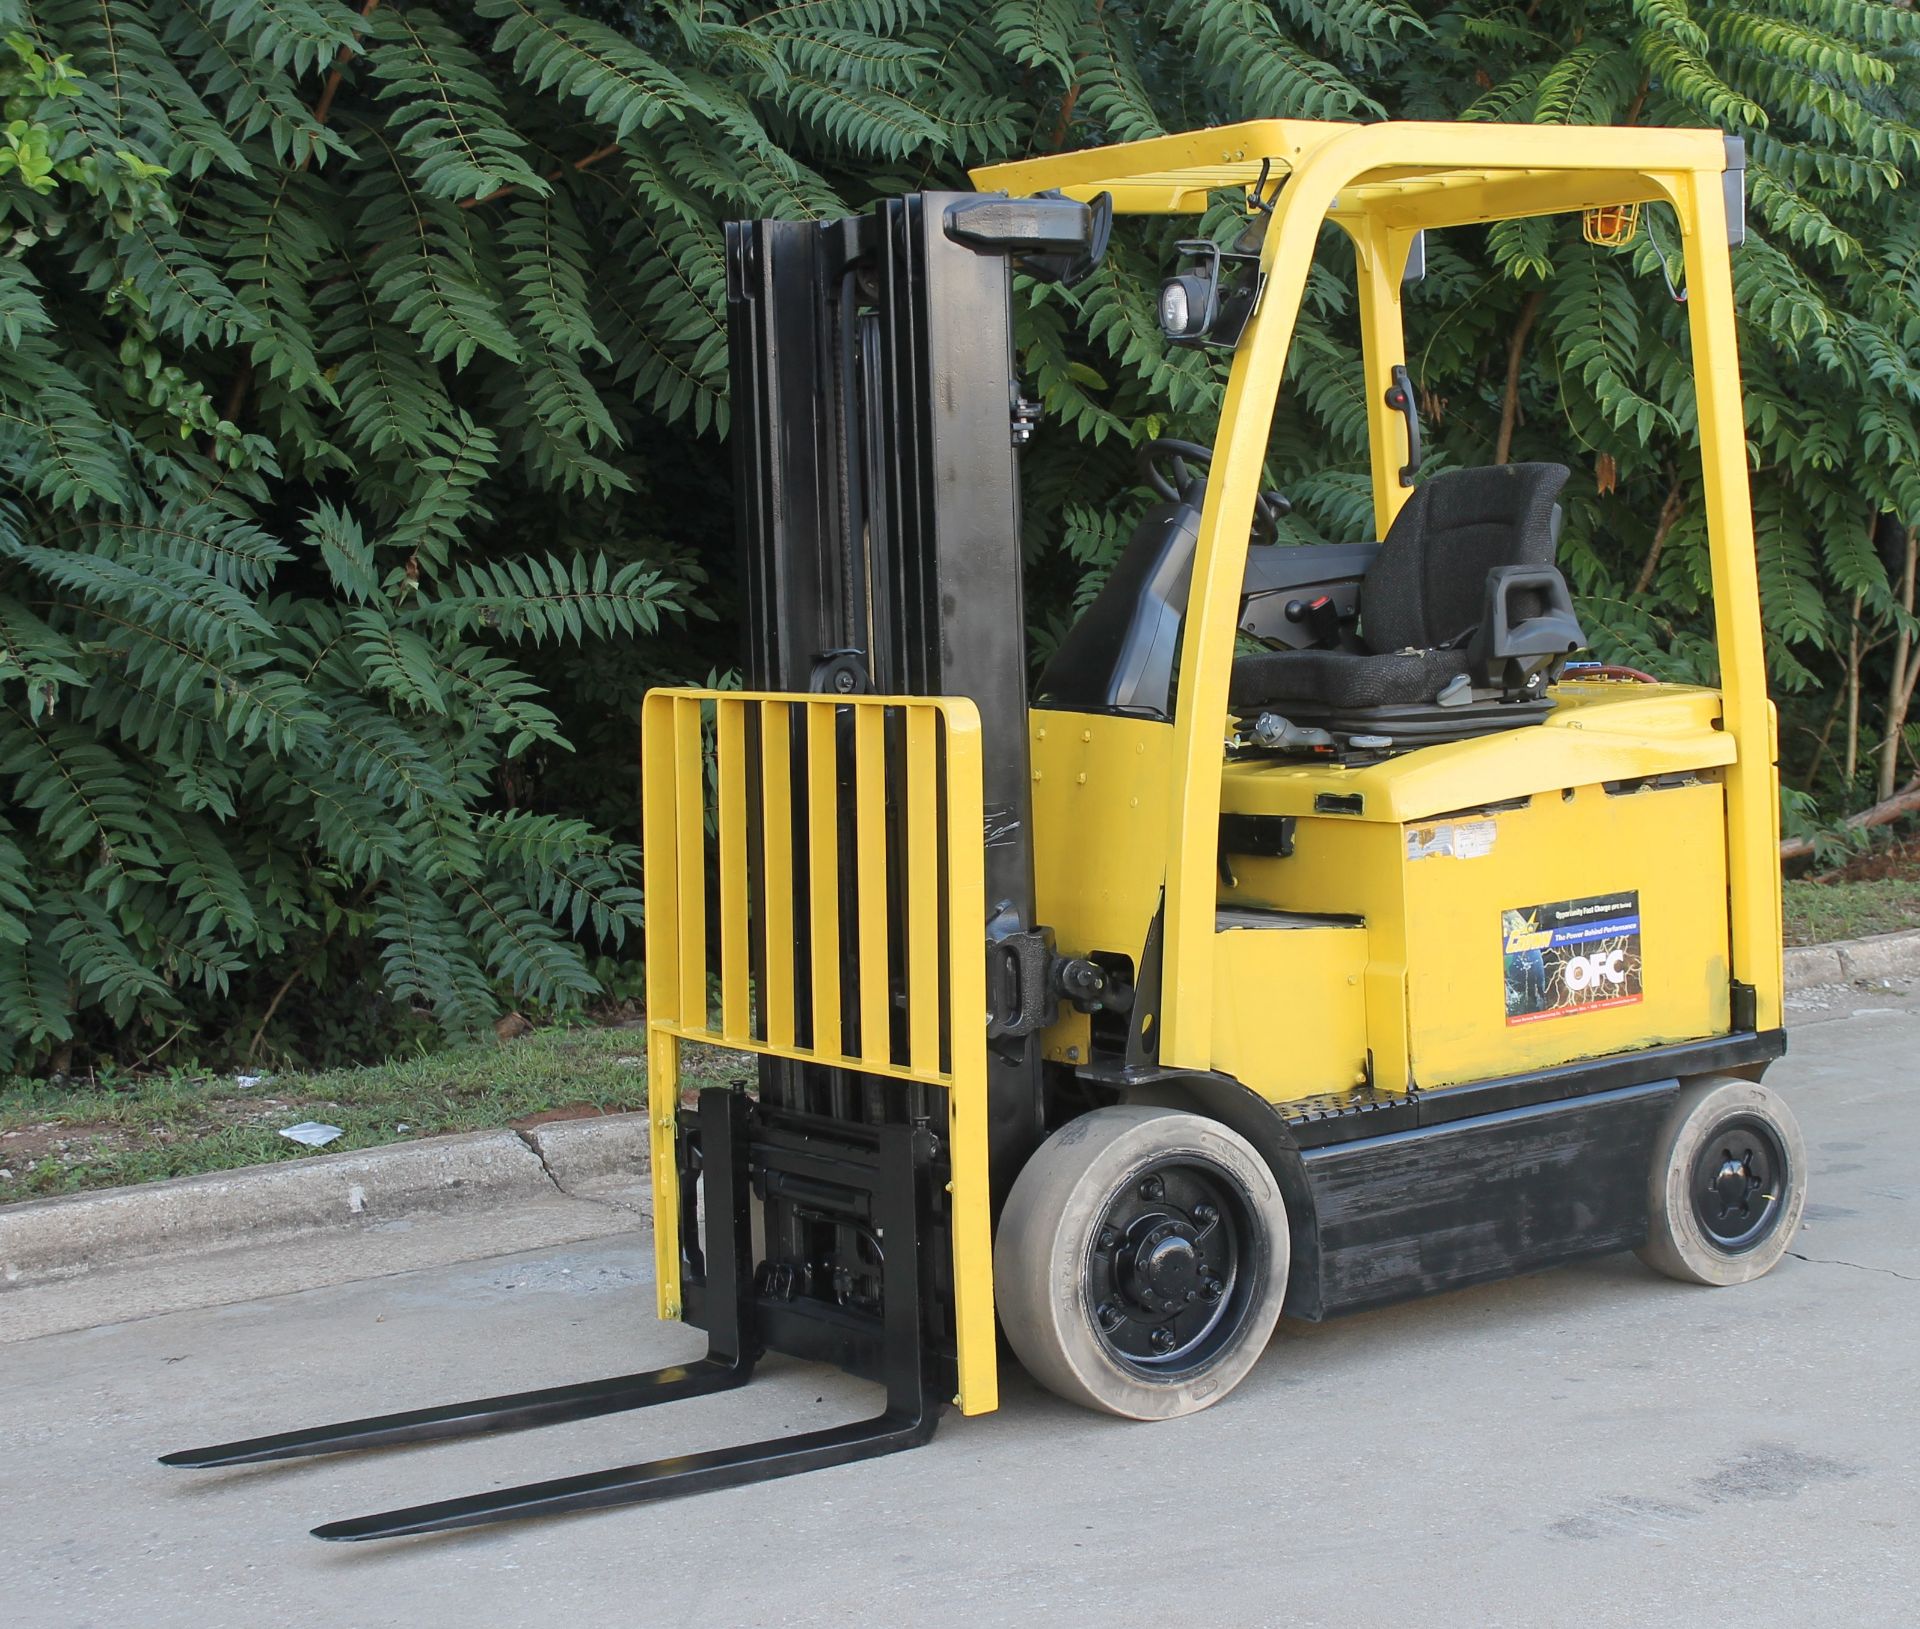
[362, 401]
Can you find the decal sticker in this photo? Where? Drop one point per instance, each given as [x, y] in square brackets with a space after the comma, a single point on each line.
[1573, 956]
[1465, 840]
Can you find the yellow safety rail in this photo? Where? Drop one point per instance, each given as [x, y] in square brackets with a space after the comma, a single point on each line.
[756, 784]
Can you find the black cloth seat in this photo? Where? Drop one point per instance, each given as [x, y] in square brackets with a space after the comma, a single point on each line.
[1344, 678]
[1423, 595]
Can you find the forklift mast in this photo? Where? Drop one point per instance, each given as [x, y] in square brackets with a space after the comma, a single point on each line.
[879, 526]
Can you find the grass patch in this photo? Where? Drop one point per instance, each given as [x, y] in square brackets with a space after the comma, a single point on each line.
[63, 1137]
[1819, 911]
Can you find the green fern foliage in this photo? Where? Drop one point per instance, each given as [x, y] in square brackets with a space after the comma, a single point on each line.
[305, 425]
[363, 398]
[1825, 95]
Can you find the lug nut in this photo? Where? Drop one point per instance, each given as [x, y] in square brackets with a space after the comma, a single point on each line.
[1205, 1213]
[1153, 1188]
[1107, 1240]
[1163, 1340]
[1211, 1289]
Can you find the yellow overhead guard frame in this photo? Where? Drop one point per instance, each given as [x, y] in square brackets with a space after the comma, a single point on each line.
[1359, 177]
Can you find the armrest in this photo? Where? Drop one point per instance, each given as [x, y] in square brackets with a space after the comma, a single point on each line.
[1527, 627]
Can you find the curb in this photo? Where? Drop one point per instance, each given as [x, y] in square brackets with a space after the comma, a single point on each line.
[595, 1151]
[1883, 956]
[42, 1240]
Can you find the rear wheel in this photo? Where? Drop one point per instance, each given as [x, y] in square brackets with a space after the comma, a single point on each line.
[1141, 1261]
[1728, 1183]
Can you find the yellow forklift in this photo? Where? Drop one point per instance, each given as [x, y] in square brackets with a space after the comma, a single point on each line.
[1314, 933]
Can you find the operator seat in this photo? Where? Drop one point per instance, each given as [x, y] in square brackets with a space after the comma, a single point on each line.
[1463, 600]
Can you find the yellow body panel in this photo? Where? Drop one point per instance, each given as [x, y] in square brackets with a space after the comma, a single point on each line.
[1100, 848]
[1418, 985]
[941, 894]
[1430, 859]
[1434, 895]
[1269, 974]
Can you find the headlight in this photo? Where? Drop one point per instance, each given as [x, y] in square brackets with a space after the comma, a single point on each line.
[1187, 306]
[1174, 308]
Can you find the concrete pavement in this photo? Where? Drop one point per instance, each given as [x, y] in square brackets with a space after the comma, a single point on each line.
[1591, 1447]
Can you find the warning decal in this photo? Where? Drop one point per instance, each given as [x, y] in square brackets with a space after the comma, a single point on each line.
[1573, 956]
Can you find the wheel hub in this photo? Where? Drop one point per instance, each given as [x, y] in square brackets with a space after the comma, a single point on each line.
[1164, 1265]
[1160, 1268]
[1738, 1183]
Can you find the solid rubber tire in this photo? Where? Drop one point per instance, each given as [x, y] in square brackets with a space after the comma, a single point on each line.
[1040, 1253]
[1676, 1243]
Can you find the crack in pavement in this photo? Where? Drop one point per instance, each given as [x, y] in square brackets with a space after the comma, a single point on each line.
[623, 1206]
[1857, 1266]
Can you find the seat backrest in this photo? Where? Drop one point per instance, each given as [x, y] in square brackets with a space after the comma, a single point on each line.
[1429, 583]
[1119, 655]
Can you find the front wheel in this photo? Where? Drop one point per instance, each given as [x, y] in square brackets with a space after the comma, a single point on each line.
[1728, 1183]
[1141, 1261]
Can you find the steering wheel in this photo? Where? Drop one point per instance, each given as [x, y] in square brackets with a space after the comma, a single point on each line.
[1268, 507]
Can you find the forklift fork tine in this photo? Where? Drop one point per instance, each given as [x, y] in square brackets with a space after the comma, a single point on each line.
[670, 1478]
[483, 1415]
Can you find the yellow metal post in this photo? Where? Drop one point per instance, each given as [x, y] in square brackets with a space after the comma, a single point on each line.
[776, 908]
[1380, 257]
[1752, 780]
[1213, 605]
[967, 1097]
[660, 862]
[663, 1109]
[823, 873]
[922, 863]
[730, 733]
[870, 840]
[690, 847]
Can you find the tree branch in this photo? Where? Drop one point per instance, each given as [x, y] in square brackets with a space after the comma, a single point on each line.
[1510, 403]
[324, 106]
[1906, 674]
[1669, 513]
[553, 174]
[1632, 115]
[1066, 115]
[1903, 802]
[1853, 690]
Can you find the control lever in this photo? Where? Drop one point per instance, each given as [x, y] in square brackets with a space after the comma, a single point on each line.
[1319, 616]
